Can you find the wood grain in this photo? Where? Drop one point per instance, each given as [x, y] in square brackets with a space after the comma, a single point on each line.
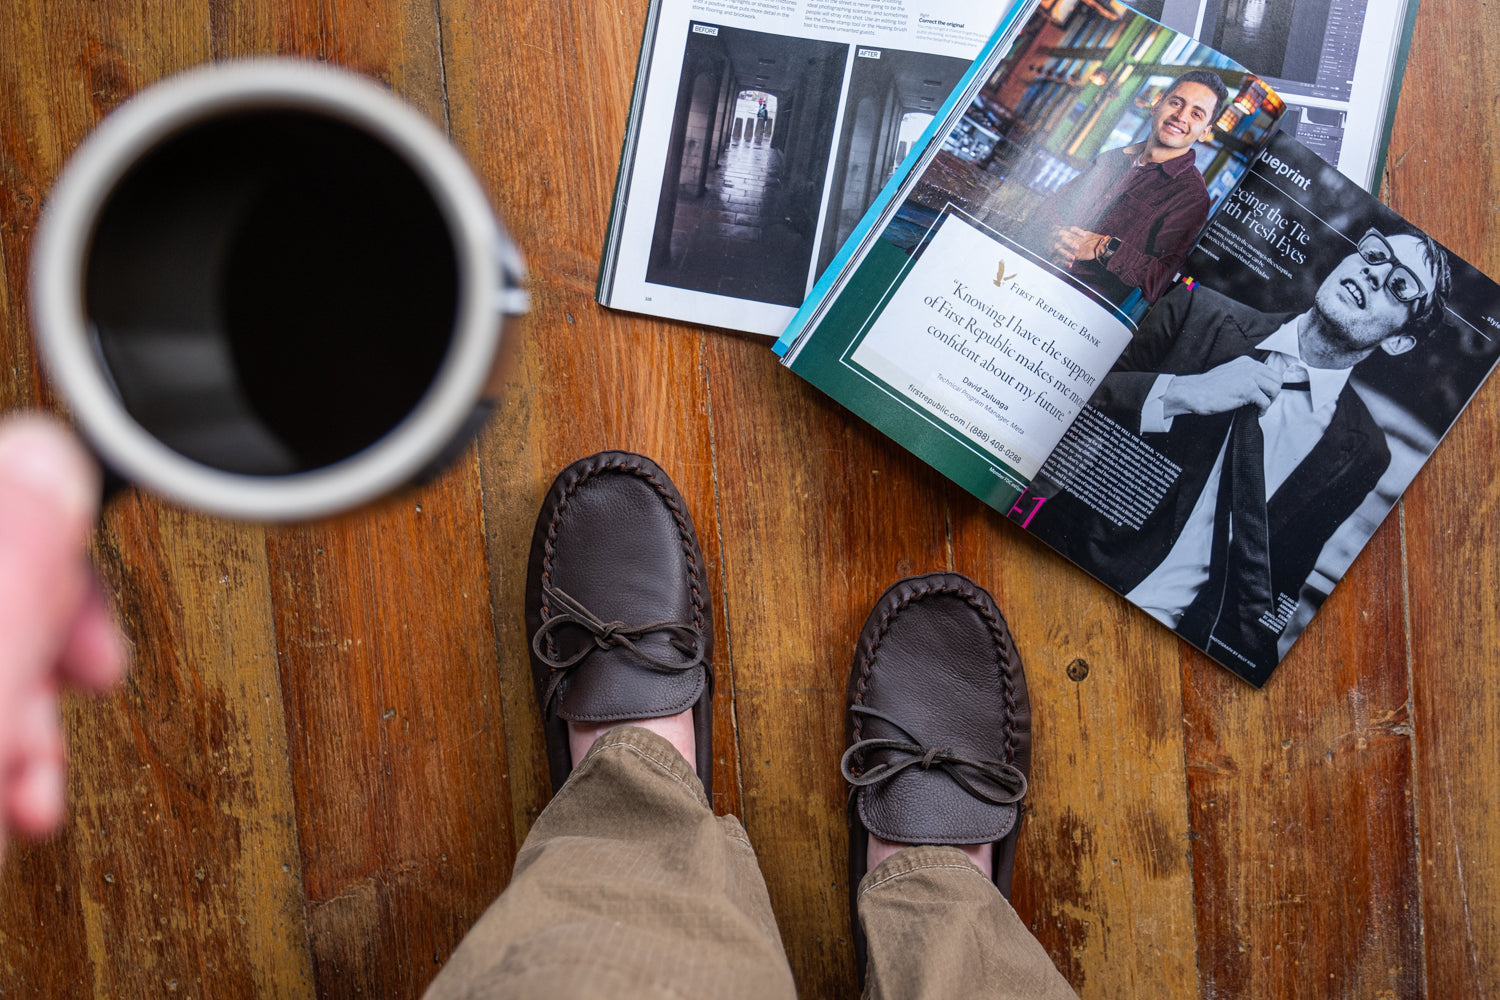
[583, 379]
[1449, 516]
[1104, 865]
[329, 750]
[819, 514]
[186, 833]
[1305, 843]
[397, 739]
[43, 945]
[392, 711]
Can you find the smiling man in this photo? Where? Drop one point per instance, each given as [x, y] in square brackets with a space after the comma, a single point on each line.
[1275, 448]
[1129, 219]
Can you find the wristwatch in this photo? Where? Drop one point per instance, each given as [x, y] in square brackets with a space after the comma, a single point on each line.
[1110, 247]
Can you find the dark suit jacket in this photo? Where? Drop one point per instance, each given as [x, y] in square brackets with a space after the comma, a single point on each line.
[1190, 332]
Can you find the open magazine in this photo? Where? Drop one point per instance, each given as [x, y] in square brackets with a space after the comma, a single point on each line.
[1214, 428]
[759, 132]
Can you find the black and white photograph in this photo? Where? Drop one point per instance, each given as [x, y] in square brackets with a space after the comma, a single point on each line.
[746, 159]
[1271, 410]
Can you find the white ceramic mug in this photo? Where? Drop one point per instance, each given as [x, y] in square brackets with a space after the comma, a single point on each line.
[272, 290]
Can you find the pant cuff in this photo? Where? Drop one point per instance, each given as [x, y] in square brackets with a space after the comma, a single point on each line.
[645, 744]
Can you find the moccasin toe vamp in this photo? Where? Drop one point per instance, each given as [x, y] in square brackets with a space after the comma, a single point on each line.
[617, 603]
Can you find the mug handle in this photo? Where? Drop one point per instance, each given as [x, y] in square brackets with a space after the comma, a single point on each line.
[511, 299]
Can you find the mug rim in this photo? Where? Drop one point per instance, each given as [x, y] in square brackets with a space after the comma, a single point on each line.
[488, 265]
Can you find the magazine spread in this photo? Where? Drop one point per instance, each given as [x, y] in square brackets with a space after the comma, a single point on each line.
[759, 132]
[1336, 63]
[1269, 412]
[1213, 427]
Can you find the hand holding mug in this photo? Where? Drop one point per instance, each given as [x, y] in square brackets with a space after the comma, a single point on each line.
[58, 631]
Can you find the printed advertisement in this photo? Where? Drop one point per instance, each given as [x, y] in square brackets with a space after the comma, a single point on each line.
[1005, 352]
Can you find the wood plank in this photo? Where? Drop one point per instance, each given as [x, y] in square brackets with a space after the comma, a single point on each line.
[41, 119]
[1342, 911]
[17, 373]
[185, 829]
[583, 379]
[1304, 841]
[820, 514]
[384, 637]
[1103, 873]
[43, 947]
[1455, 574]
[1453, 551]
[179, 866]
[557, 408]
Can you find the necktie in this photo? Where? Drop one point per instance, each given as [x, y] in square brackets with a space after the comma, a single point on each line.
[1227, 610]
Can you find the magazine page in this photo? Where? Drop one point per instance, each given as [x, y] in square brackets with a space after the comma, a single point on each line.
[1337, 63]
[1270, 411]
[1009, 271]
[760, 132]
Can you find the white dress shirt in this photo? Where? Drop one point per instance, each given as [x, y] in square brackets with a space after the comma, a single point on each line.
[1292, 425]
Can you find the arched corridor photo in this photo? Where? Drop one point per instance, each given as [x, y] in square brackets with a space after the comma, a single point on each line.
[749, 145]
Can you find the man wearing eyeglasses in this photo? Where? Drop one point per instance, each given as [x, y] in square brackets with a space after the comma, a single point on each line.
[1276, 449]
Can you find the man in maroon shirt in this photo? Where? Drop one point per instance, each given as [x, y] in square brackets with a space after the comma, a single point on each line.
[1130, 218]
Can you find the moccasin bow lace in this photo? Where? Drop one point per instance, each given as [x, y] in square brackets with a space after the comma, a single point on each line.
[992, 781]
[684, 637]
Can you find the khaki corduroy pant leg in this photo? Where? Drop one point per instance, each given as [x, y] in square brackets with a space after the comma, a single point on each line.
[627, 886]
[936, 927]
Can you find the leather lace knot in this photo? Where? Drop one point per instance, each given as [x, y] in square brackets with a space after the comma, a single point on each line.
[570, 613]
[990, 780]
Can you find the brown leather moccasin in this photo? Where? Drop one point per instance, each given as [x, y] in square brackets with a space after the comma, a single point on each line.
[939, 726]
[617, 605]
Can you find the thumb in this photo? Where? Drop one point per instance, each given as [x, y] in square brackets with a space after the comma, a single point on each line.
[49, 496]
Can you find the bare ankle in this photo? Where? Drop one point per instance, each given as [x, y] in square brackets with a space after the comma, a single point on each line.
[675, 729]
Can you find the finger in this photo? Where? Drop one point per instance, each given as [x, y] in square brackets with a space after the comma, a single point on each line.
[34, 785]
[94, 655]
[48, 498]
[41, 462]
[1267, 391]
[1270, 382]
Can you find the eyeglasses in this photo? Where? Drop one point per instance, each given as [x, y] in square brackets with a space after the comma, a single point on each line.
[1400, 280]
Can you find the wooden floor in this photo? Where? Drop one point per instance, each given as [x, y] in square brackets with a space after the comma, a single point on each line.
[327, 753]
